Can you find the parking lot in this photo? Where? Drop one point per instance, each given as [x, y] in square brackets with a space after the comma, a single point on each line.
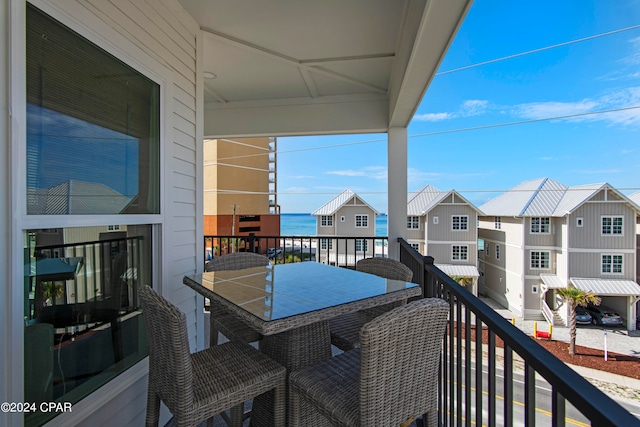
[618, 339]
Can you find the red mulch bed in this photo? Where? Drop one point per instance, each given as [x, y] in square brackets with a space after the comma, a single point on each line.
[621, 364]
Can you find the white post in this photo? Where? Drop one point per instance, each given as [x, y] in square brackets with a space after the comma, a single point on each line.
[397, 188]
[606, 355]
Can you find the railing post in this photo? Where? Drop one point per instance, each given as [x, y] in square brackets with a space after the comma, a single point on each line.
[428, 290]
[252, 238]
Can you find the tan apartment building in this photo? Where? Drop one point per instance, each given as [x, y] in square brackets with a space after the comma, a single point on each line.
[240, 194]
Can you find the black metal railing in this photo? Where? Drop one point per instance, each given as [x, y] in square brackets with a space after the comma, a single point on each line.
[477, 338]
[339, 251]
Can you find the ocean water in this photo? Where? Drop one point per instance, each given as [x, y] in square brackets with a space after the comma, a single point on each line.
[301, 224]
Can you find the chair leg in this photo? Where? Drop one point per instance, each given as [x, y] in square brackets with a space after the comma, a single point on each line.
[237, 415]
[153, 409]
[213, 333]
[294, 408]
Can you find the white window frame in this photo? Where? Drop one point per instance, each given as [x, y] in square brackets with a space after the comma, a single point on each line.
[540, 260]
[459, 252]
[461, 221]
[413, 222]
[362, 245]
[487, 248]
[435, 219]
[147, 66]
[497, 222]
[326, 220]
[324, 243]
[415, 246]
[612, 226]
[543, 225]
[361, 220]
[497, 251]
[611, 264]
[579, 222]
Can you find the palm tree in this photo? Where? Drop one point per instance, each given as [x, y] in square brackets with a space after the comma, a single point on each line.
[462, 281]
[575, 297]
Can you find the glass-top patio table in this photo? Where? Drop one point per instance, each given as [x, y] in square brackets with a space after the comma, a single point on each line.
[291, 304]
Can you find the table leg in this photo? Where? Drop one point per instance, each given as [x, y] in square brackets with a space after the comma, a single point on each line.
[294, 349]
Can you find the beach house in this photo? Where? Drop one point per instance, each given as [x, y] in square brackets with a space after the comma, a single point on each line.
[443, 224]
[347, 216]
[542, 235]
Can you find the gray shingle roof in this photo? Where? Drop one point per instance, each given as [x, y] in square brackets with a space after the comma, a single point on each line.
[337, 202]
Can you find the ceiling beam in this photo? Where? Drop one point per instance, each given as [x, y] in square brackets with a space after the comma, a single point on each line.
[292, 61]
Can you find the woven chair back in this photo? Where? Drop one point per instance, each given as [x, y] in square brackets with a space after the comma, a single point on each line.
[170, 369]
[385, 267]
[237, 261]
[400, 354]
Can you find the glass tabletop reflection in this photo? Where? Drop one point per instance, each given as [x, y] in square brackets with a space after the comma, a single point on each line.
[283, 290]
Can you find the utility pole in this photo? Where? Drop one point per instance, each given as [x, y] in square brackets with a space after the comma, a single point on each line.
[233, 225]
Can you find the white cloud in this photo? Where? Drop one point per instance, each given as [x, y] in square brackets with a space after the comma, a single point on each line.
[474, 107]
[618, 99]
[470, 107]
[374, 172]
[541, 110]
[634, 56]
[433, 117]
[347, 172]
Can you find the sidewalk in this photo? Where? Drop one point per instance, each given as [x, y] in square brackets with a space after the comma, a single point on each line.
[618, 341]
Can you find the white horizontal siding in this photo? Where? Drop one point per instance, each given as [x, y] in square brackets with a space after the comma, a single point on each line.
[159, 39]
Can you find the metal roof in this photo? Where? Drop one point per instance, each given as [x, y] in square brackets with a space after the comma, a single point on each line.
[545, 197]
[635, 198]
[333, 205]
[422, 201]
[78, 198]
[552, 281]
[607, 287]
[459, 270]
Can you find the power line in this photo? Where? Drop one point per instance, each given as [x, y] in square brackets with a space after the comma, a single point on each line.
[592, 37]
[489, 126]
[511, 190]
[521, 122]
[542, 49]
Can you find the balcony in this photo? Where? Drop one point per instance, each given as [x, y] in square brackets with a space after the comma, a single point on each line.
[470, 392]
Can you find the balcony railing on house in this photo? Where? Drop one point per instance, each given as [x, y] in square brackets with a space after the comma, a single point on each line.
[338, 251]
[83, 325]
[477, 339]
[469, 390]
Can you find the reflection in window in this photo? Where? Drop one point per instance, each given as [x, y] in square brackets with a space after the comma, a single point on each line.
[92, 149]
[92, 127]
[83, 323]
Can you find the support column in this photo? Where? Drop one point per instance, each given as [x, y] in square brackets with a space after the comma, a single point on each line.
[397, 188]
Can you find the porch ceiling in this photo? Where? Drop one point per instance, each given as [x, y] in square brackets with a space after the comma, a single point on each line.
[301, 67]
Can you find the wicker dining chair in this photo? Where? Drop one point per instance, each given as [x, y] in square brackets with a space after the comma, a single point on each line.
[197, 386]
[391, 379]
[345, 329]
[222, 320]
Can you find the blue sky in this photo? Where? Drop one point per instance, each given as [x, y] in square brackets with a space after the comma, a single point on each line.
[599, 74]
